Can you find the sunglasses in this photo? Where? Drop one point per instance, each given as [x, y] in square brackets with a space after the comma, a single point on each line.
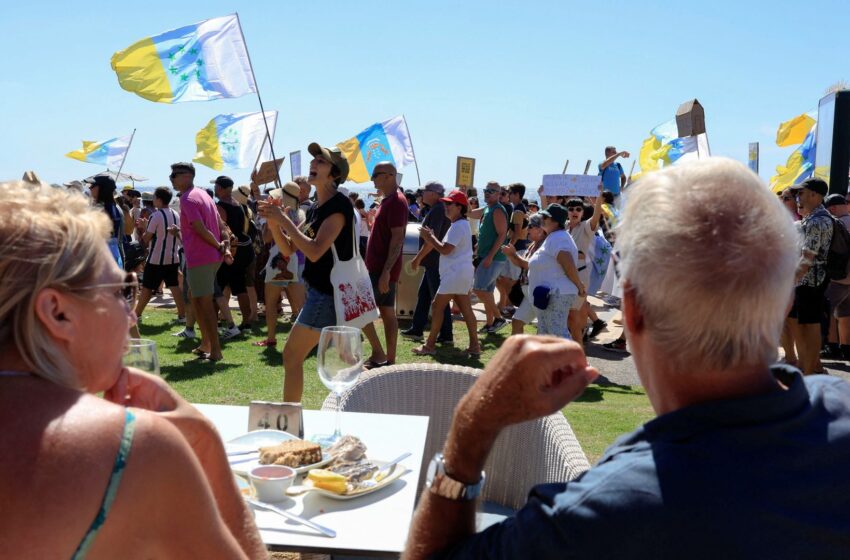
[491, 191]
[128, 289]
[376, 175]
[176, 173]
[575, 209]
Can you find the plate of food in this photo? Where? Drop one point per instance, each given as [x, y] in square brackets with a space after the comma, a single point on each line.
[348, 481]
[275, 448]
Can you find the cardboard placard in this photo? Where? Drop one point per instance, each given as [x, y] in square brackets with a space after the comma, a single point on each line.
[465, 174]
[268, 172]
[295, 163]
[571, 185]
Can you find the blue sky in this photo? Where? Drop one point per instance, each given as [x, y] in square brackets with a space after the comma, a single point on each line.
[519, 86]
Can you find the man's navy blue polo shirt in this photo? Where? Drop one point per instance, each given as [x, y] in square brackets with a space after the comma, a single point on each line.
[758, 477]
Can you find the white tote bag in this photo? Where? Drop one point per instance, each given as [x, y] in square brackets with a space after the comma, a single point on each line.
[354, 300]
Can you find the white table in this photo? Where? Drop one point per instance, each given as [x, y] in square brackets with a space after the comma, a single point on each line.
[374, 525]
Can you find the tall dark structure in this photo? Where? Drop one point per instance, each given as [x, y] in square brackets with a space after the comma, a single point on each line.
[832, 156]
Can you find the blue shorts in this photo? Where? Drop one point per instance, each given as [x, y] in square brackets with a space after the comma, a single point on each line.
[318, 311]
[485, 277]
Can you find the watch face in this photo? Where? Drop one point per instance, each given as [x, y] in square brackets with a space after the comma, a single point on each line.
[432, 469]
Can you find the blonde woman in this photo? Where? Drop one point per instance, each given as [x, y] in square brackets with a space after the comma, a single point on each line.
[138, 473]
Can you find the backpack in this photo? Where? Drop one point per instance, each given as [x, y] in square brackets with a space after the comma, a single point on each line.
[838, 257]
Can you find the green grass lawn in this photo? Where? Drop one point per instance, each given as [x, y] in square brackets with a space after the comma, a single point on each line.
[250, 373]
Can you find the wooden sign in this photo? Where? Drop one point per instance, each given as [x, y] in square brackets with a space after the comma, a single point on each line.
[268, 172]
[465, 175]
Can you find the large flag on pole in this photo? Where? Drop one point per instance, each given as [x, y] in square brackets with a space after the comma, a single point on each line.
[383, 141]
[110, 152]
[200, 62]
[794, 131]
[800, 164]
[233, 141]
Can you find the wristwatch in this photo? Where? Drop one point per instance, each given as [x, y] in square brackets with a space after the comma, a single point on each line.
[441, 484]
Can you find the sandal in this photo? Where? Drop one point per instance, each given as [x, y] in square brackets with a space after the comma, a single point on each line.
[473, 353]
[265, 343]
[199, 352]
[372, 364]
[424, 351]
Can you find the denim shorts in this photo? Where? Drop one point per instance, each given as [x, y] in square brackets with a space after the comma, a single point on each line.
[485, 277]
[318, 311]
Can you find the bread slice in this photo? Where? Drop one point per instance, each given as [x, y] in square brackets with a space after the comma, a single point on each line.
[293, 453]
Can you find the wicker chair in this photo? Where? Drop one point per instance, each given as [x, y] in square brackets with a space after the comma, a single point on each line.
[539, 451]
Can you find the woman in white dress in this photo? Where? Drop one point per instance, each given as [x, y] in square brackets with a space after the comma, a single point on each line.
[456, 273]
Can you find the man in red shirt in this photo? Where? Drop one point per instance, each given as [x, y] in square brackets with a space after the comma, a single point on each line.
[383, 260]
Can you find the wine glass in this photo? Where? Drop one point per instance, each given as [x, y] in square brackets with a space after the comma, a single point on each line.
[340, 361]
[141, 354]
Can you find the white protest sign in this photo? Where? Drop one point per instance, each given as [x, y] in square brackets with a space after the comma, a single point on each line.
[295, 163]
[571, 185]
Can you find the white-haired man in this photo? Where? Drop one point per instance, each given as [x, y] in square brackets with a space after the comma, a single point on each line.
[744, 460]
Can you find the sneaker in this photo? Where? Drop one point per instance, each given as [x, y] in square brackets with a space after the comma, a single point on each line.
[412, 334]
[229, 333]
[618, 345]
[185, 333]
[508, 312]
[612, 301]
[485, 329]
[445, 340]
[497, 325]
[596, 328]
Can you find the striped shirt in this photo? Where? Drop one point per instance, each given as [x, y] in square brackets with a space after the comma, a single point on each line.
[163, 247]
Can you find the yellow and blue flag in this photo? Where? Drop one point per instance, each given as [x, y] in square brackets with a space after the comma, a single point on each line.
[664, 147]
[794, 131]
[200, 62]
[234, 141]
[387, 141]
[800, 164]
[110, 153]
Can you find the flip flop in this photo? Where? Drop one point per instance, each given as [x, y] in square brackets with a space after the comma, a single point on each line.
[265, 343]
[199, 352]
[473, 353]
[372, 364]
[424, 351]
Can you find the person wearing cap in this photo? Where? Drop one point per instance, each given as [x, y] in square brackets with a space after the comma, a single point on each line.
[102, 190]
[437, 221]
[383, 260]
[838, 292]
[235, 275]
[525, 313]
[281, 272]
[329, 221]
[204, 250]
[553, 279]
[492, 232]
[456, 273]
[816, 229]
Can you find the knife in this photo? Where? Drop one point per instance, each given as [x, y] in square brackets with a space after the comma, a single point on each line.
[291, 516]
[386, 469]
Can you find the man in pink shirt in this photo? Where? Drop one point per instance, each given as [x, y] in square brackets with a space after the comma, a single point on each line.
[203, 250]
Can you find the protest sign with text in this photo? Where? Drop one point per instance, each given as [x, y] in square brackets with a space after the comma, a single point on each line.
[465, 176]
[571, 185]
[295, 163]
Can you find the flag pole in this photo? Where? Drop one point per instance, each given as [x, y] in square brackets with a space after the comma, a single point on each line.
[260, 99]
[412, 149]
[565, 167]
[123, 159]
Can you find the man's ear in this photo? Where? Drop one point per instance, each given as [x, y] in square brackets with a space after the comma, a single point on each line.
[632, 314]
[54, 310]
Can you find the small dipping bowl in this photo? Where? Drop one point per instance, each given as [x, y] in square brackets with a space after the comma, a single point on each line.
[271, 481]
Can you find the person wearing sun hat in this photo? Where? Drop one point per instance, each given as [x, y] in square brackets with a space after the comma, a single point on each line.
[329, 221]
[456, 273]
